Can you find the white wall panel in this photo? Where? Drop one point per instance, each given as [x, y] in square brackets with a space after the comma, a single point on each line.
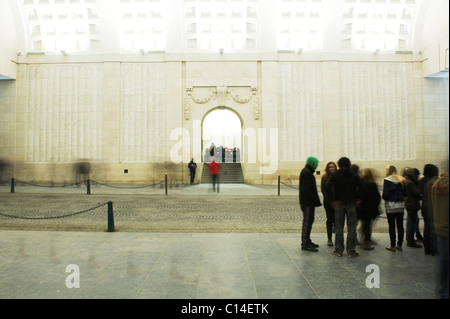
[377, 111]
[301, 109]
[143, 120]
[64, 114]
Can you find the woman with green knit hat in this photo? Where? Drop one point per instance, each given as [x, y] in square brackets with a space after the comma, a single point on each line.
[309, 200]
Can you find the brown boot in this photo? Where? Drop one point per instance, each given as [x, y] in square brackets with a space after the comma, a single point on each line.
[414, 244]
[367, 245]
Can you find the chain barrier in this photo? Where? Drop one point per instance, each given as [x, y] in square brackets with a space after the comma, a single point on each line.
[79, 183]
[51, 184]
[289, 185]
[126, 187]
[55, 217]
[88, 182]
[16, 181]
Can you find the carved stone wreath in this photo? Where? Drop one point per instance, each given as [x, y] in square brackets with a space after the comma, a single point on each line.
[221, 92]
[200, 100]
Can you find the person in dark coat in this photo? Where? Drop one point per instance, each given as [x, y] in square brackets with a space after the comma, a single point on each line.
[439, 199]
[370, 203]
[412, 205]
[346, 189]
[329, 210]
[430, 175]
[309, 200]
[192, 168]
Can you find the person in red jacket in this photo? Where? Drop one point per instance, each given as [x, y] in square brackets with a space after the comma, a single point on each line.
[214, 169]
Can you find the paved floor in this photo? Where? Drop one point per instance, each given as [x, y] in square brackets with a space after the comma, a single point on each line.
[189, 266]
[198, 266]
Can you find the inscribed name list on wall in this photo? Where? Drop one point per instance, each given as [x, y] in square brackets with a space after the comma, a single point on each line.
[64, 112]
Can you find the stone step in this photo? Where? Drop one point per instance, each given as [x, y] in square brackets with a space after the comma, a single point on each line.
[230, 173]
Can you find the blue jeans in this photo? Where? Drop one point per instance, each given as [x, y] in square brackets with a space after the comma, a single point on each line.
[443, 267]
[308, 220]
[340, 213]
[411, 225]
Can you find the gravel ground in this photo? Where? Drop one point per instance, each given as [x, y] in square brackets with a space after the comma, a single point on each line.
[159, 213]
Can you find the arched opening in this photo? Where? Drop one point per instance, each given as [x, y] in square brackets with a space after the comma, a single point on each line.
[222, 136]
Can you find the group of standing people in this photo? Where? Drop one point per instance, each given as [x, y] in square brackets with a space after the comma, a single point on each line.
[430, 195]
[408, 192]
[222, 154]
[355, 196]
[348, 195]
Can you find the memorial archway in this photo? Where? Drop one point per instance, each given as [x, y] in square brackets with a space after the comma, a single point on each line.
[222, 136]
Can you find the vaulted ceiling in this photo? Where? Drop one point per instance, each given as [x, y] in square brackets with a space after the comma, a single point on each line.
[137, 26]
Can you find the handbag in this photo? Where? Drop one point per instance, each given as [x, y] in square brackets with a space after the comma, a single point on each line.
[394, 207]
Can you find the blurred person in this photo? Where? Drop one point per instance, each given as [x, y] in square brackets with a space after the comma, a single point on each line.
[82, 170]
[4, 171]
[355, 168]
[330, 168]
[393, 195]
[430, 175]
[214, 169]
[212, 150]
[228, 155]
[412, 205]
[346, 189]
[404, 171]
[439, 198]
[222, 154]
[408, 219]
[236, 155]
[192, 168]
[369, 207]
[309, 200]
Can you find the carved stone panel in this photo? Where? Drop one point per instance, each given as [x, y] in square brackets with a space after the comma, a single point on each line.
[222, 96]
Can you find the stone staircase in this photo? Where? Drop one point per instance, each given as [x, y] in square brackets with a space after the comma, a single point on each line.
[230, 173]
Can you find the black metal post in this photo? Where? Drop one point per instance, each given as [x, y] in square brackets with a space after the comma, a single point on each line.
[88, 186]
[110, 217]
[279, 182]
[166, 182]
[12, 185]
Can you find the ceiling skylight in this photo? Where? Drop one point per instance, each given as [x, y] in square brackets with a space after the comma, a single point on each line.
[221, 24]
[142, 25]
[374, 25]
[300, 25]
[62, 25]
[68, 26]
